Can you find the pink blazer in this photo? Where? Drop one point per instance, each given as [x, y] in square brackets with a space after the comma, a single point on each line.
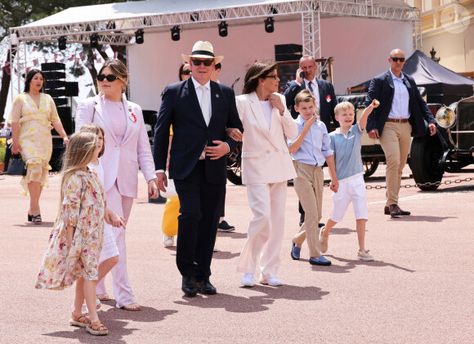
[121, 160]
[265, 156]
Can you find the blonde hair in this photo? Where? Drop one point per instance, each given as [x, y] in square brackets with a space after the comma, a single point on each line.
[79, 152]
[343, 106]
[95, 129]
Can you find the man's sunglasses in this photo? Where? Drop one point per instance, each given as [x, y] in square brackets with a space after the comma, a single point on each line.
[109, 77]
[207, 63]
[186, 72]
[396, 59]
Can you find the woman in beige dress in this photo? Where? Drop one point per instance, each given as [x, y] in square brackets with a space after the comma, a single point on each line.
[32, 117]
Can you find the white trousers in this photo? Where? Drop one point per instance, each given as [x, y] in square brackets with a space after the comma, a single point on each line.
[266, 229]
[123, 293]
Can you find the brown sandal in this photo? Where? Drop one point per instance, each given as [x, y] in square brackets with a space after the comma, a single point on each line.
[79, 320]
[96, 328]
[104, 297]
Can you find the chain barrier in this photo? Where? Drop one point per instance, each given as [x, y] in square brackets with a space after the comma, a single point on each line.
[418, 185]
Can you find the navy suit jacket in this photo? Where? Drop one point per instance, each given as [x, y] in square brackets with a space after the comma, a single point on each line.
[382, 89]
[180, 109]
[327, 100]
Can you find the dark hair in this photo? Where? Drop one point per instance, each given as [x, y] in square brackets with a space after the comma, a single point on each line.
[181, 70]
[257, 71]
[218, 66]
[31, 74]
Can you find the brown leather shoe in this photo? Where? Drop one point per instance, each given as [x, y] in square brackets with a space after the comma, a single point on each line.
[395, 210]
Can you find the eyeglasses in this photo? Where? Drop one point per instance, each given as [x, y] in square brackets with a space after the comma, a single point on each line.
[207, 63]
[109, 77]
[396, 59]
[186, 72]
[274, 77]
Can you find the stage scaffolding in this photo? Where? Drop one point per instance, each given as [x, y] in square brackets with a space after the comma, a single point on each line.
[121, 31]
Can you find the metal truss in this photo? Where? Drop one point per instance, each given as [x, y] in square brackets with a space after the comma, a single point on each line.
[121, 31]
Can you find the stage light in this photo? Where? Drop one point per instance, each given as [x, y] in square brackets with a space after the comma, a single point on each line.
[222, 14]
[139, 36]
[223, 29]
[269, 26]
[62, 42]
[194, 16]
[94, 40]
[175, 33]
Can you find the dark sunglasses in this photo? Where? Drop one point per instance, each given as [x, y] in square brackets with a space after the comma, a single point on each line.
[207, 63]
[186, 72]
[396, 59]
[109, 77]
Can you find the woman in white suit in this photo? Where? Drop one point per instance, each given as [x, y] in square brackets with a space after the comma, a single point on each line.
[266, 168]
[126, 150]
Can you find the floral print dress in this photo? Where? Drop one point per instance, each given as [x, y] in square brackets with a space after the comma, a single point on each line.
[82, 207]
[35, 134]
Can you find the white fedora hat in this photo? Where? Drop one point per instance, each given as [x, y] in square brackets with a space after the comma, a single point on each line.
[202, 50]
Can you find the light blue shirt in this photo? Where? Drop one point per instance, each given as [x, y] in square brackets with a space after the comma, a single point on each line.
[400, 108]
[316, 145]
[347, 152]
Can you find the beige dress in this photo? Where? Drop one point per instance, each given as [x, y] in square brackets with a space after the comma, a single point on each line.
[82, 207]
[35, 135]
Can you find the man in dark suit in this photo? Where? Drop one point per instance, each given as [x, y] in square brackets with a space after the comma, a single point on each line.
[402, 113]
[200, 111]
[322, 91]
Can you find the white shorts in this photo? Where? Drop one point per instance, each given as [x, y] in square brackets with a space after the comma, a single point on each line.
[109, 247]
[351, 189]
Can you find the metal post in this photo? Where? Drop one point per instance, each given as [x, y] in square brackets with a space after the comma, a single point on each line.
[311, 34]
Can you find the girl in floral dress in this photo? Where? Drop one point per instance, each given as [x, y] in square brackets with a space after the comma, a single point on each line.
[76, 239]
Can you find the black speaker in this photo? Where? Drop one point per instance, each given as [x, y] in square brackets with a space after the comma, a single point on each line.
[57, 156]
[60, 101]
[53, 84]
[52, 66]
[64, 113]
[54, 75]
[59, 92]
[72, 89]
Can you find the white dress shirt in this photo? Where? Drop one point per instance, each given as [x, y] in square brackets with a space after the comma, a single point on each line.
[315, 87]
[203, 93]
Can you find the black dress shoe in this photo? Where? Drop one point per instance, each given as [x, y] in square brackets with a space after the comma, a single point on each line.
[189, 287]
[395, 211]
[206, 287]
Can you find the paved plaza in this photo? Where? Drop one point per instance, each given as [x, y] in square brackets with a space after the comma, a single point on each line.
[419, 290]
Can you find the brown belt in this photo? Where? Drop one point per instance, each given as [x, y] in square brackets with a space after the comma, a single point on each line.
[402, 120]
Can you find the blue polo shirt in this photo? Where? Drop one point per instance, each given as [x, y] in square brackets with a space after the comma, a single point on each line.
[316, 145]
[347, 152]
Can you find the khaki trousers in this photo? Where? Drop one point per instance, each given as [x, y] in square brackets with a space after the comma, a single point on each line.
[309, 188]
[395, 142]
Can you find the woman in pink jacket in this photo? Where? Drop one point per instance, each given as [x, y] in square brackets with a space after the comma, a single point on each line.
[126, 150]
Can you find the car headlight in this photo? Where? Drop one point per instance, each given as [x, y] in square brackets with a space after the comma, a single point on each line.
[446, 116]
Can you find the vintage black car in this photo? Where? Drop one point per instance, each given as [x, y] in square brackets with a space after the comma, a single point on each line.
[448, 151]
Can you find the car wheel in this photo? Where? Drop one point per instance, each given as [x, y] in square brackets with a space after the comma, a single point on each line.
[425, 156]
[234, 163]
[370, 166]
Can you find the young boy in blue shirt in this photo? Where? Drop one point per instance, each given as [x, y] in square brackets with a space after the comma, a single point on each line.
[309, 152]
[346, 144]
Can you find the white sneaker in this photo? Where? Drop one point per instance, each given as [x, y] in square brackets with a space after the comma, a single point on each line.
[168, 241]
[247, 280]
[365, 256]
[271, 281]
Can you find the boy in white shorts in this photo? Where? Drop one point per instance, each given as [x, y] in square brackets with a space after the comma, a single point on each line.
[346, 144]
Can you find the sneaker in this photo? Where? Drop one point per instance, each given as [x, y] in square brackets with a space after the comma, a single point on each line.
[168, 241]
[224, 226]
[247, 280]
[271, 281]
[323, 241]
[321, 260]
[365, 256]
[295, 252]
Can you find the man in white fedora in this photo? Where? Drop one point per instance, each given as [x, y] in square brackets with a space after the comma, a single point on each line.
[200, 111]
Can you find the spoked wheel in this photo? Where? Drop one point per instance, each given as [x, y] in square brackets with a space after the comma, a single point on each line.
[370, 166]
[234, 163]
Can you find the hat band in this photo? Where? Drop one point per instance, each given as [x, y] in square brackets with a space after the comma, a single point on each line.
[202, 52]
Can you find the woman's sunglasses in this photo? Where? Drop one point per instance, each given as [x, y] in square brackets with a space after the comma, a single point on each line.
[109, 77]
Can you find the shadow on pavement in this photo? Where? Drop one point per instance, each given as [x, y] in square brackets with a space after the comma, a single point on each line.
[352, 264]
[44, 224]
[225, 255]
[420, 218]
[241, 304]
[342, 231]
[233, 235]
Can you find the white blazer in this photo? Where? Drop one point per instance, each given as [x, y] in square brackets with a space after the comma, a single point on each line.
[265, 156]
[121, 160]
